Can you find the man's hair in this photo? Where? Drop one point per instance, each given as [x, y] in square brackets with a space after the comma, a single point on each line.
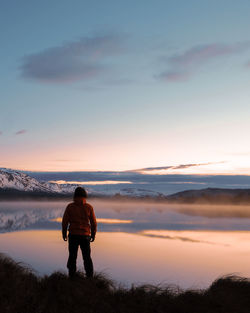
[80, 193]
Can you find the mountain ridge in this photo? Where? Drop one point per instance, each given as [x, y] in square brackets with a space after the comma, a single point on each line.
[18, 184]
[211, 195]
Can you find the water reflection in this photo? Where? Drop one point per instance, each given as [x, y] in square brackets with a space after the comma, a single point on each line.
[136, 241]
[100, 220]
[133, 258]
[180, 235]
[127, 216]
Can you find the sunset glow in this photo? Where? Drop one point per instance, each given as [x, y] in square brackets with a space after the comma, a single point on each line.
[101, 220]
[125, 155]
[226, 248]
[126, 96]
[239, 166]
[104, 182]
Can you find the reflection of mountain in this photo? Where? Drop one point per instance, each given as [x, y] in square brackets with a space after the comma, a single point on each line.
[212, 195]
[152, 217]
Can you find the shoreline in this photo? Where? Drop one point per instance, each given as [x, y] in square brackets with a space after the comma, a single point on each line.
[23, 291]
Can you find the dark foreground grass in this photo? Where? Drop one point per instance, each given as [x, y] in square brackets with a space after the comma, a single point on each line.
[21, 291]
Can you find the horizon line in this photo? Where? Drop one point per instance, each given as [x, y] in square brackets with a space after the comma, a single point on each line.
[124, 171]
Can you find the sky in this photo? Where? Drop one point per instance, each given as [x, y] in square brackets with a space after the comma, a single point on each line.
[123, 85]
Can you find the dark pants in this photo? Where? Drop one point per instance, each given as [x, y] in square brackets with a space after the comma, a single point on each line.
[84, 242]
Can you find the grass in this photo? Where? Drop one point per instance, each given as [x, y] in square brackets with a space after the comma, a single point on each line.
[21, 291]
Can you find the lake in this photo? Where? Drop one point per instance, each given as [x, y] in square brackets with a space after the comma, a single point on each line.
[137, 242]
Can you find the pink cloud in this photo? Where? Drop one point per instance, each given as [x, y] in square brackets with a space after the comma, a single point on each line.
[174, 76]
[175, 167]
[204, 53]
[184, 65]
[80, 60]
[21, 132]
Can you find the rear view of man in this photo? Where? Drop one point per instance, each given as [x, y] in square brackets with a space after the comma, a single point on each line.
[80, 217]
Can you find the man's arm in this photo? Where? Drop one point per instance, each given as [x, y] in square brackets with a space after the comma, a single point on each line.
[65, 222]
[93, 223]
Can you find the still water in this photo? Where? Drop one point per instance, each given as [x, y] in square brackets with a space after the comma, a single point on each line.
[137, 242]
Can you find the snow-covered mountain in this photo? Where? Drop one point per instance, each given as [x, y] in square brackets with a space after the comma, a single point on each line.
[11, 179]
[15, 180]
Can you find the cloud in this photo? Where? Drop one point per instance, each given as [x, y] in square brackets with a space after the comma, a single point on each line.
[1, 132]
[72, 61]
[21, 132]
[184, 65]
[152, 168]
[182, 166]
[176, 167]
[173, 76]
[203, 53]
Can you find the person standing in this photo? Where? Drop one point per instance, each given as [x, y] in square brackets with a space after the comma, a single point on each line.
[79, 218]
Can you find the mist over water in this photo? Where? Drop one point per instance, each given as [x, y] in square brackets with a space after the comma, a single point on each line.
[137, 241]
[113, 214]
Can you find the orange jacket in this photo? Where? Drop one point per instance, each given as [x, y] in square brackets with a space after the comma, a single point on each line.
[81, 219]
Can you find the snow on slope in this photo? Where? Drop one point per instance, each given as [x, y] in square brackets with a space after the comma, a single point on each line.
[12, 179]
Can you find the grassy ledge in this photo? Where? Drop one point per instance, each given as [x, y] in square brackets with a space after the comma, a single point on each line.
[21, 291]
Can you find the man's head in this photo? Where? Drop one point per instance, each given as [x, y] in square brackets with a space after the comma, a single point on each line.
[80, 193]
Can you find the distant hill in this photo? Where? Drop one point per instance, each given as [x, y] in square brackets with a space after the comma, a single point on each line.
[212, 195]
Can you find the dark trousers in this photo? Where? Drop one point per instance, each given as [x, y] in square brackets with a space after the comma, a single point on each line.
[84, 242]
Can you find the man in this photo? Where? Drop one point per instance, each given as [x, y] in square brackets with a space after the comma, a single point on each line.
[80, 217]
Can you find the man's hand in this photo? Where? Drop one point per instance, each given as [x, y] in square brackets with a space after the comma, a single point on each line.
[92, 238]
[65, 237]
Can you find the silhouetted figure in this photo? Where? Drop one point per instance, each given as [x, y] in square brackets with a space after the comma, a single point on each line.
[80, 217]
